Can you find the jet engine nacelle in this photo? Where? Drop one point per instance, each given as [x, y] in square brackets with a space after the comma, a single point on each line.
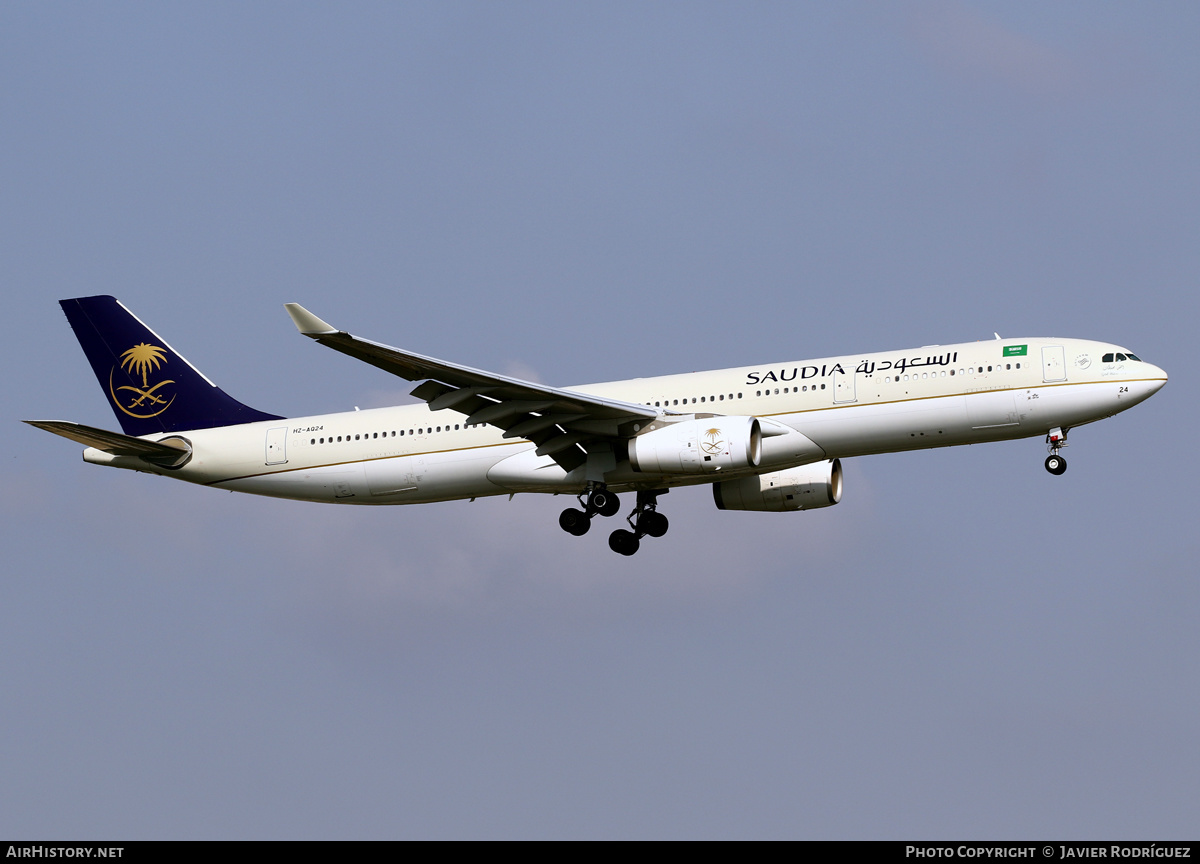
[803, 488]
[698, 446]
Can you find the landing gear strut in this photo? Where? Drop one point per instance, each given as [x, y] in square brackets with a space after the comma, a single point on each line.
[1056, 439]
[645, 520]
[595, 499]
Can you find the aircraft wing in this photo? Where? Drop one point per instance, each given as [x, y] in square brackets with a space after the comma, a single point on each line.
[560, 422]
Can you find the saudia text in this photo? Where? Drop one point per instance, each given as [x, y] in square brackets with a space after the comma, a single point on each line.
[866, 367]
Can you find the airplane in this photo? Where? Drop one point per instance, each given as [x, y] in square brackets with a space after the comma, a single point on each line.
[766, 438]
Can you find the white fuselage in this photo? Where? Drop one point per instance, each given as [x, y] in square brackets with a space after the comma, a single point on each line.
[936, 396]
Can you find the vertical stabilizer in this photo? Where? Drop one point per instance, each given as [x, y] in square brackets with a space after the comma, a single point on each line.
[150, 386]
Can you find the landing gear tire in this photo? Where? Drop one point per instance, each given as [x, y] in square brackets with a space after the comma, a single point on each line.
[623, 542]
[1056, 465]
[653, 524]
[574, 521]
[604, 502]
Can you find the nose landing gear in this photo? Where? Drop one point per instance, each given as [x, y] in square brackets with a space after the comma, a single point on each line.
[1056, 439]
[645, 520]
[597, 499]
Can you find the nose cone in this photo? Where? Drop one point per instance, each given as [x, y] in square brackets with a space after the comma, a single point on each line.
[1149, 381]
[1157, 376]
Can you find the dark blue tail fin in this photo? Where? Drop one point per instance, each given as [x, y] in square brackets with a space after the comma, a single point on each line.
[150, 387]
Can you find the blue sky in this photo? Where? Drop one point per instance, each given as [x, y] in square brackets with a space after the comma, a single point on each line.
[964, 647]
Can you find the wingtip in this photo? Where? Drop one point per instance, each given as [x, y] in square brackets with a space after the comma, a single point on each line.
[306, 322]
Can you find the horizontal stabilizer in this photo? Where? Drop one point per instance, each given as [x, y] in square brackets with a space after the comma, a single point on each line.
[166, 452]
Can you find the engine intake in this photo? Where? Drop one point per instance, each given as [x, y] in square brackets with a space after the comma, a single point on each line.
[805, 488]
[698, 446]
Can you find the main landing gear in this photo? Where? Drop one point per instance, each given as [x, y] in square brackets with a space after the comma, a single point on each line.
[1056, 439]
[596, 499]
[645, 520]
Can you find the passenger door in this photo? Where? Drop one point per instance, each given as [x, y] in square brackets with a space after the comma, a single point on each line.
[1054, 364]
[277, 445]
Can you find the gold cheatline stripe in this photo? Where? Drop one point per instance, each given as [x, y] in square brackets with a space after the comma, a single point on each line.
[856, 404]
[360, 461]
[1043, 386]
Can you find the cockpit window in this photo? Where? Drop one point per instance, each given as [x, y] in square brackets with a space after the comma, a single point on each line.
[1119, 358]
[1132, 357]
[1107, 358]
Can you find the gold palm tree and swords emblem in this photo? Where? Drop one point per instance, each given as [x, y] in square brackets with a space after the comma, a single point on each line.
[142, 359]
[712, 442]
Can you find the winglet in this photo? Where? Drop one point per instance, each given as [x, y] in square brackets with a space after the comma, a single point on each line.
[306, 322]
